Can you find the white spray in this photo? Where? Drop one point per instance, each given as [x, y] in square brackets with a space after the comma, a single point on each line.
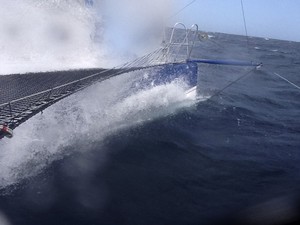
[55, 35]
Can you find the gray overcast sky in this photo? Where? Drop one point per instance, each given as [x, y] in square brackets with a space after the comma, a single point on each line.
[278, 19]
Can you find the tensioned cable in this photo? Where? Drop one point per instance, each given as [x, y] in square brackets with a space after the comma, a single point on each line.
[233, 82]
[175, 14]
[288, 81]
[245, 75]
[245, 24]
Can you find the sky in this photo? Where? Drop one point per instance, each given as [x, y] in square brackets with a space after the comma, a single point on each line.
[279, 19]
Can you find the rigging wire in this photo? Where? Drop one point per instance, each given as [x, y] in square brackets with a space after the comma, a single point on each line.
[173, 15]
[288, 81]
[248, 73]
[179, 11]
[245, 24]
[233, 82]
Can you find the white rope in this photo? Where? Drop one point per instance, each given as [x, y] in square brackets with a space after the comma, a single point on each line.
[285, 79]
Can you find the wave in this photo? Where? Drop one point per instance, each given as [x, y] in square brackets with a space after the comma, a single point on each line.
[84, 119]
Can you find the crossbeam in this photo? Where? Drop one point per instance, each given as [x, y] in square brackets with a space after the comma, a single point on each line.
[224, 62]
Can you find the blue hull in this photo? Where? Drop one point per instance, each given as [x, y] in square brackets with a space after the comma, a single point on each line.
[164, 74]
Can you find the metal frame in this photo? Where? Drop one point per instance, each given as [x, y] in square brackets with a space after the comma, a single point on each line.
[185, 42]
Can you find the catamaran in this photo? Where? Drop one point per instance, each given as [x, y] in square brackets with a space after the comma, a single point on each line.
[33, 93]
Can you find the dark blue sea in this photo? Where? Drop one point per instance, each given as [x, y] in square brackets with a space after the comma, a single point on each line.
[231, 159]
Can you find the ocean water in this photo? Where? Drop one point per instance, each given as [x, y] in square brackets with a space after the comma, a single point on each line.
[156, 156]
[171, 161]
